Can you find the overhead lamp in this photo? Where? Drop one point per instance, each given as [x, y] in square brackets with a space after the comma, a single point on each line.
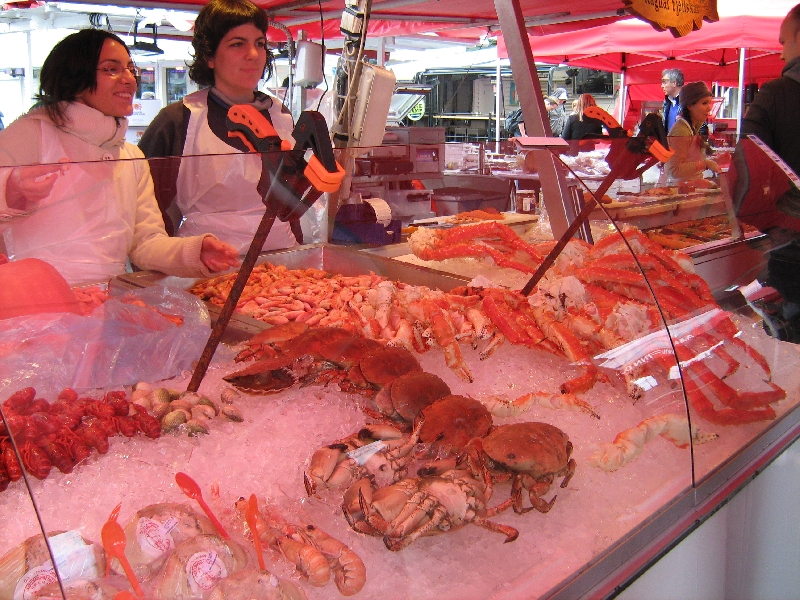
[145, 48]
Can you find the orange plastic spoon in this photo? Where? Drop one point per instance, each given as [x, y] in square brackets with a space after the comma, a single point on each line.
[250, 516]
[113, 538]
[112, 517]
[192, 490]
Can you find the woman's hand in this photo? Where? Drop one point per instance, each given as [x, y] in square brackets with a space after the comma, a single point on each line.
[27, 186]
[712, 166]
[217, 255]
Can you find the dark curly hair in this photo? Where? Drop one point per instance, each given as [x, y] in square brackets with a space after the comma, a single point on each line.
[213, 22]
[71, 69]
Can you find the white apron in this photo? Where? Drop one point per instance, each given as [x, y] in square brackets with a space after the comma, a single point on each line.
[80, 227]
[217, 186]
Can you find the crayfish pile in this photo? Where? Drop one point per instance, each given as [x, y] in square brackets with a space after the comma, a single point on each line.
[63, 433]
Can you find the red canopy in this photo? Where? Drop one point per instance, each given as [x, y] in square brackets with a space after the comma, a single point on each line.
[710, 54]
[450, 18]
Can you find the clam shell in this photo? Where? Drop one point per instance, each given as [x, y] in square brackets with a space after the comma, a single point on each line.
[201, 412]
[228, 395]
[138, 394]
[160, 410]
[196, 427]
[230, 412]
[206, 401]
[172, 419]
[160, 395]
[191, 398]
[174, 394]
[145, 401]
[176, 404]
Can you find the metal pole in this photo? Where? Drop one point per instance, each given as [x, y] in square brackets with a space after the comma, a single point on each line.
[623, 98]
[537, 124]
[498, 100]
[740, 104]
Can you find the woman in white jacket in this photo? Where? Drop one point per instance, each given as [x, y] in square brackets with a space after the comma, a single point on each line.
[97, 210]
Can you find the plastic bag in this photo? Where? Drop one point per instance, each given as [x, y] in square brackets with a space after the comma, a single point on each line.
[119, 343]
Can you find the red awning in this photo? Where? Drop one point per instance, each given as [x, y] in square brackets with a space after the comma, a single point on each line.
[710, 54]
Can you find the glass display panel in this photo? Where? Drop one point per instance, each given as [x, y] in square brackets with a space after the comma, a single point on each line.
[291, 417]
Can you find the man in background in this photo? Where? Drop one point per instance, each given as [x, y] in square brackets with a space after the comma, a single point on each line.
[774, 116]
[671, 85]
[558, 116]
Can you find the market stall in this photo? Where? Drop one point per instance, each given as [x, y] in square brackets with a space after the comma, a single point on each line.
[542, 445]
[671, 445]
[741, 48]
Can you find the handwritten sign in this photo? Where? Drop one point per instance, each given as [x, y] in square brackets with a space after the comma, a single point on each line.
[681, 17]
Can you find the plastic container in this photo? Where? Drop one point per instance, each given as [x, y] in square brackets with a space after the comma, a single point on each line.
[454, 200]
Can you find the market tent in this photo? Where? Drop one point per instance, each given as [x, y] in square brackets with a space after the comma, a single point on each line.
[464, 19]
[633, 46]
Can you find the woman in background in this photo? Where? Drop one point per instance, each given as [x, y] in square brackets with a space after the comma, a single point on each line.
[218, 193]
[579, 125]
[90, 217]
[691, 152]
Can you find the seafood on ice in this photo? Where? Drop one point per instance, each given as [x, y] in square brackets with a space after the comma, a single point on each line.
[531, 454]
[153, 534]
[327, 354]
[422, 506]
[196, 565]
[27, 568]
[380, 451]
[315, 554]
[629, 444]
[41, 435]
[534, 454]
[255, 584]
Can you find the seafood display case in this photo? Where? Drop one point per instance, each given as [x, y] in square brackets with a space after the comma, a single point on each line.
[390, 430]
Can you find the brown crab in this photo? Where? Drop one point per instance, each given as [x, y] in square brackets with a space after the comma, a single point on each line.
[326, 354]
[380, 452]
[421, 506]
[452, 421]
[405, 397]
[533, 453]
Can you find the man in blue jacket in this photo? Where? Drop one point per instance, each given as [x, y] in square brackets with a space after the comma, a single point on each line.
[671, 85]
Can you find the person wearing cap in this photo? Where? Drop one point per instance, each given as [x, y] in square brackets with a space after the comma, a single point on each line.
[691, 152]
[558, 116]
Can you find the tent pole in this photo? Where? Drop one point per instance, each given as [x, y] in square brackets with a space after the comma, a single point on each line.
[739, 105]
[498, 100]
[557, 194]
[623, 97]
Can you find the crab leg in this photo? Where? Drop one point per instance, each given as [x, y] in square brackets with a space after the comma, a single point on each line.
[726, 416]
[629, 444]
[502, 407]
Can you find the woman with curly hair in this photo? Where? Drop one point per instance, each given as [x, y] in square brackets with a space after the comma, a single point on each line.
[215, 189]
